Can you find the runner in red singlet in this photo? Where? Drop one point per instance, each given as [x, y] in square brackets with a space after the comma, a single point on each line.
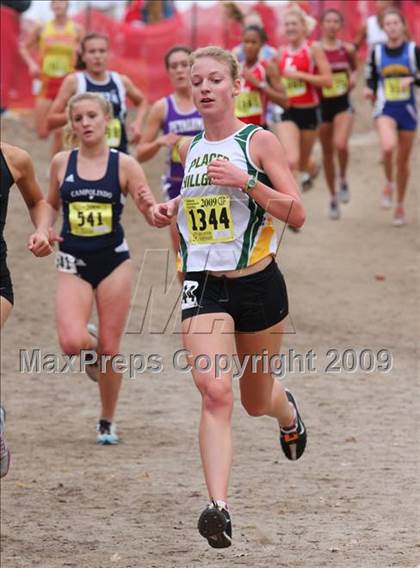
[336, 109]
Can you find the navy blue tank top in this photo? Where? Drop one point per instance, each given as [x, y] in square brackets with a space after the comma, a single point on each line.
[91, 208]
[6, 182]
[113, 90]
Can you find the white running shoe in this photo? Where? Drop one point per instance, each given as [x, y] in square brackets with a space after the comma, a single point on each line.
[334, 213]
[106, 433]
[399, 217]
[306, 182]
[386, 199]
[343, 191]
[92, 370]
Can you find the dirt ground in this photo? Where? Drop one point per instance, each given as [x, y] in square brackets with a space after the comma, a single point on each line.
[352, 501]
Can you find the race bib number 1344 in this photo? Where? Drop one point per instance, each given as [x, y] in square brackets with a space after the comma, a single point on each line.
[209, 219]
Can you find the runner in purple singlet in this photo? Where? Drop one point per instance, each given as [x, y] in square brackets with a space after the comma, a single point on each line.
[177, 117]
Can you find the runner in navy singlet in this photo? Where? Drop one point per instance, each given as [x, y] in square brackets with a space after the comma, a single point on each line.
[95, 78]
[93, 263]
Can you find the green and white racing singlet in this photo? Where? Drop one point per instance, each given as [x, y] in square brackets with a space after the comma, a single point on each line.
[222, 228]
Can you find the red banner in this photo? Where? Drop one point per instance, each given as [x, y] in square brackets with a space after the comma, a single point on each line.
[15, 83]
[138, 50]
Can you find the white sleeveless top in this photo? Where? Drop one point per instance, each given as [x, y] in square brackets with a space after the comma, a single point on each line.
[221, 228]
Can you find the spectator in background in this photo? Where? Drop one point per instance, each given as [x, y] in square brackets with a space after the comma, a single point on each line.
[150, 11]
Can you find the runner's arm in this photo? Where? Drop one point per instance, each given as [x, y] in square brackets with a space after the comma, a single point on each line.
[360, 37]
[417, 76]
[35, 202]
[27, 46]
[136, 185]
[275, 91]
[351, 52]
[57, 116]
[283, 201]
[138, 98]
[371, 72]
[150, 142]
[53, 199]
[324, 76]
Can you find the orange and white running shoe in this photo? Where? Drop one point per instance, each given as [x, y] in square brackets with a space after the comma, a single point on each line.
[399, 217]
[386, 199]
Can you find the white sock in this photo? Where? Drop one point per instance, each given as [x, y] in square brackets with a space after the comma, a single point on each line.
[294, 425]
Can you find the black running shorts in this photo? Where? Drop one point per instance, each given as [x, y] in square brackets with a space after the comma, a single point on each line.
[6, 286]
[93, 267]
[304, 118]
[255, 302]
[331, 107]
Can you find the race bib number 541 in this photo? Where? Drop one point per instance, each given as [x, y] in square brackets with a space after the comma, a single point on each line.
[90, 219]
[209, 219]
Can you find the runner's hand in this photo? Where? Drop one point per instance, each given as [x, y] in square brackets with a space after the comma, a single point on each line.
[168, 140]
[291, 74]
[34, 69]
[369, 93]
[134, 133]
[352, 80]
[226, 174]
[53, 237]
[248, 76]
[162, 214]
[39, 244]
[406, 82]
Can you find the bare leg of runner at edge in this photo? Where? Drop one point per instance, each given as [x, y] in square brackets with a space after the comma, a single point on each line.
[343, 124]
[298, 145]
[289, 135]
[307, 163]
[5, 309]
[334, 138]
[405, 143]
[326, 137]
[388, 136]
